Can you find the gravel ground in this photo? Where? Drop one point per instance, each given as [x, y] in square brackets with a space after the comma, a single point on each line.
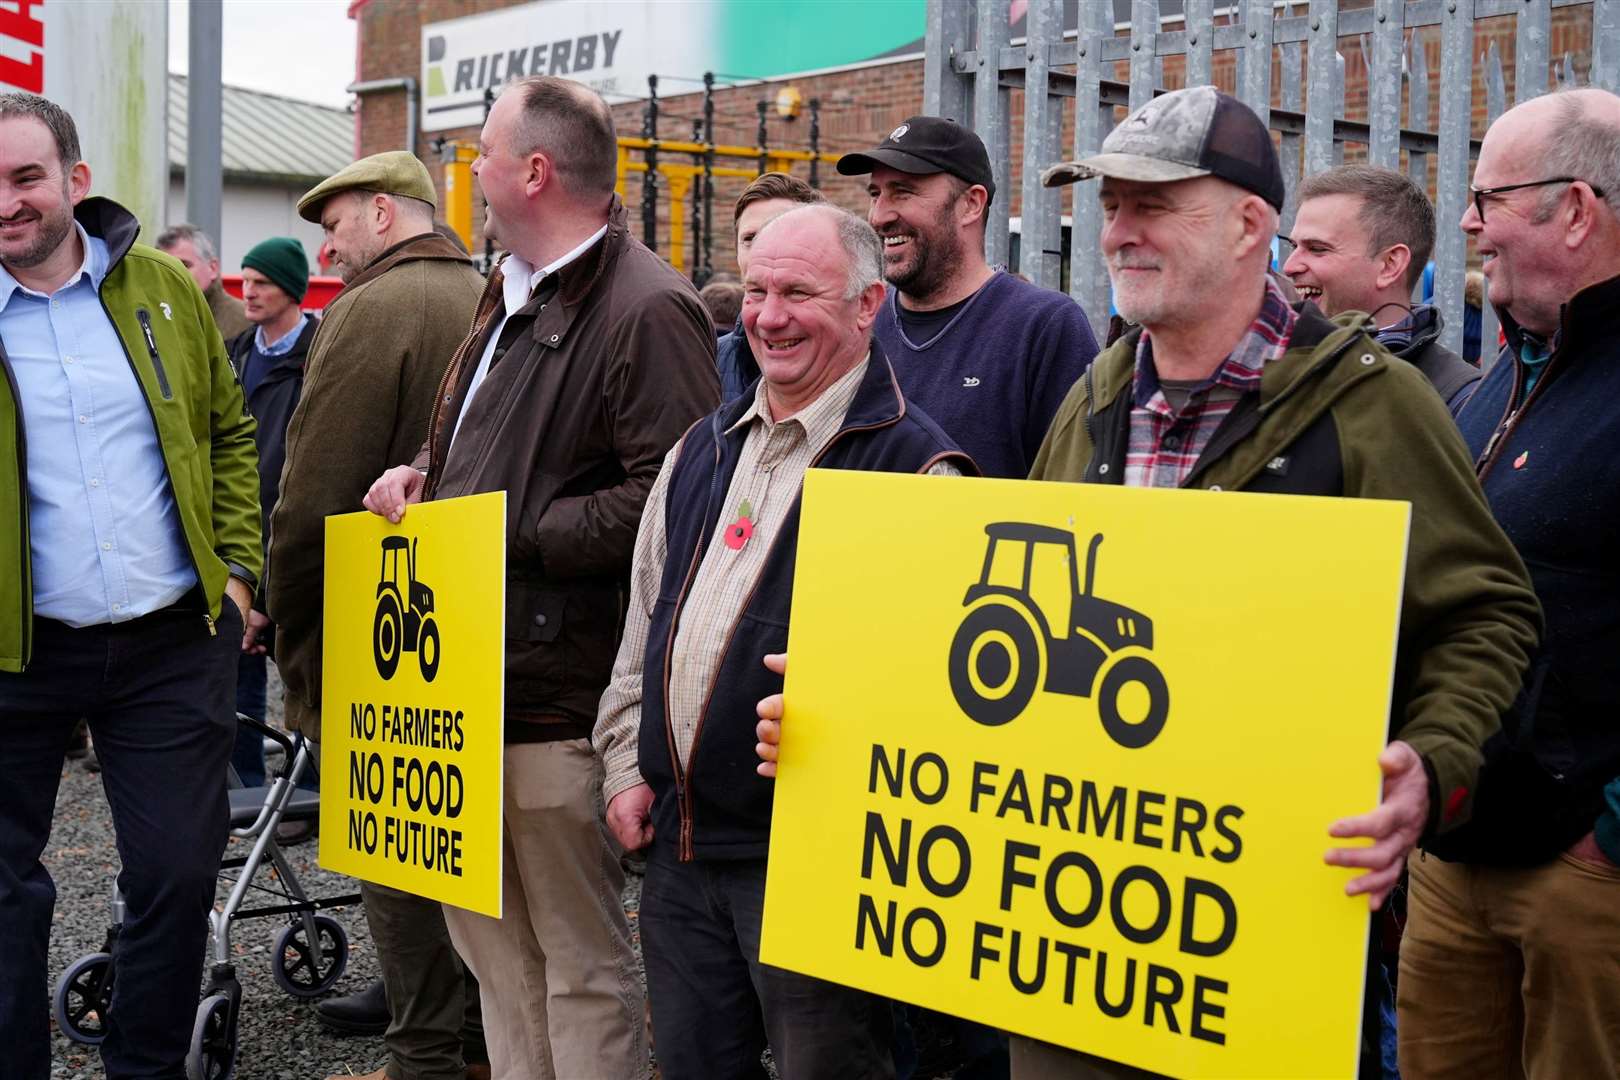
[280, 1038]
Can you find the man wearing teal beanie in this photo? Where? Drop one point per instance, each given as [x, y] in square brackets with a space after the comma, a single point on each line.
[282, 260]
[269, 360]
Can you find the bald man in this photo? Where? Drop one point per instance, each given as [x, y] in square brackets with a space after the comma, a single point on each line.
[1511, 962]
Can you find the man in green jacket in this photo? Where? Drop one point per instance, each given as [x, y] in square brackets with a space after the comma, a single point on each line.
[129, 552]
[1227, 387]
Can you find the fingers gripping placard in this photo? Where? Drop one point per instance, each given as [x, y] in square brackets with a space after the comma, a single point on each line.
[411, 702]
[1062, 759]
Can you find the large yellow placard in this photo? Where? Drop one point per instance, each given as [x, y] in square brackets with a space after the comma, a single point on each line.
[412, 698]
[1062, 759]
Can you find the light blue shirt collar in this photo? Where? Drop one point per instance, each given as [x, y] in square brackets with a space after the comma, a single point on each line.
[284, 343]
[94, 264]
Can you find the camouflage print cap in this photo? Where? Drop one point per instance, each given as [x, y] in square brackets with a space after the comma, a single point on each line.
[1187, 133]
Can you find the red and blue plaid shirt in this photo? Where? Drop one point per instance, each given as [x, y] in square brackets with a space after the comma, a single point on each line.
[1165, 442]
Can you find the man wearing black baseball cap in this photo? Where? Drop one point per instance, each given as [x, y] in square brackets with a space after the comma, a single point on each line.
[987, 355]
[1225, 386]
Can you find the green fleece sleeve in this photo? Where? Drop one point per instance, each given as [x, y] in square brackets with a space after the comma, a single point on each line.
[233, 458]
[1469, 617]
[1607, 831]
[1066, 450]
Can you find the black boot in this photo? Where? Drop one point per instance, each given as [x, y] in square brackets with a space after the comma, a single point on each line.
[365, 1013]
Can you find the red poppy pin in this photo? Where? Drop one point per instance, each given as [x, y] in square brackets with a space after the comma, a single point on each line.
[741, 531]
[1520, 461]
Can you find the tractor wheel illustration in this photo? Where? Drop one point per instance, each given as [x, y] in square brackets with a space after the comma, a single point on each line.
[386, 635]
[427, 648]
[1143, 724]
[996, 663]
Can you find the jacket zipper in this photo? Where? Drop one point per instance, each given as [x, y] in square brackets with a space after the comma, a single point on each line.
[1510, 417]
[152, 350]
[683, 790]
[157, 433]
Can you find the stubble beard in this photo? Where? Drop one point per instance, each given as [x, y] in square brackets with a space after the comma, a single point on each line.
[53, 230]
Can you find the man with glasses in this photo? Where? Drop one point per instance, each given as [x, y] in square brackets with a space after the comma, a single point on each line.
[1511, 961]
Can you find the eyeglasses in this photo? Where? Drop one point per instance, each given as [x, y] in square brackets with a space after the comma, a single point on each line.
[1480, 193]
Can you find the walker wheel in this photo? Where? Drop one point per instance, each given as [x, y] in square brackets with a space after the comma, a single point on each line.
[305, 972]
[82, 996]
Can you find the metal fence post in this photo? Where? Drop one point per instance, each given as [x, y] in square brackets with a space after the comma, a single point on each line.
[1384, 84]
[1200, 24]
[1040, 244]
[1293, 99]
[1495, 104]
[1144, 44]
[947, 31]
[1532, 50]
[1606, 45]
[1088, 277]
[1255, 88]
[1321, 60]
[1417, 116]
[990, 120]
[1451, 180]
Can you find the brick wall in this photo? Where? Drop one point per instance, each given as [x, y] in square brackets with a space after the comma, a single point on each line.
[859, 107]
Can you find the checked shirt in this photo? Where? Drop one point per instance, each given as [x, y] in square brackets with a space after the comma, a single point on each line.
[1165, 442]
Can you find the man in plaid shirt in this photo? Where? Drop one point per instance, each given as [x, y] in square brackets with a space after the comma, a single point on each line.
[1224, 386]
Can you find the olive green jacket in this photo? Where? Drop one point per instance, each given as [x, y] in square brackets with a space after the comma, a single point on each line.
[203, 427]
[1338, 415]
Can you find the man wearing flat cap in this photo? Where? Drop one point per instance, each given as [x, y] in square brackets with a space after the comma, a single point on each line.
[373, 370]
[988, 355]
[1224, 386]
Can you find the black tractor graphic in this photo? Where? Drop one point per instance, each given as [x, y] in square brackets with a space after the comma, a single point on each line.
[1007, 647]
[404, 619]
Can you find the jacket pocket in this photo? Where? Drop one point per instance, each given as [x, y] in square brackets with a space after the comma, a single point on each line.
[164, 388]
[533, 614]
[536, 667]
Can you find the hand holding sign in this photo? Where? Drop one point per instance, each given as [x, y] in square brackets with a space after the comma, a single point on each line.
[769, 728]
[1394, 827]
[393, 491]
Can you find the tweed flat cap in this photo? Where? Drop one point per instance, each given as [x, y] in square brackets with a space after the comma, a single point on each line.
[397, 172]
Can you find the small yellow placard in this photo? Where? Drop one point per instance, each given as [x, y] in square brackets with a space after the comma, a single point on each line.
[412, 698]
[1062, 758]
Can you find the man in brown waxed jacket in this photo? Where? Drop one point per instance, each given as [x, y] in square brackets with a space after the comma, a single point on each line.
[369, 384]
[589, 358]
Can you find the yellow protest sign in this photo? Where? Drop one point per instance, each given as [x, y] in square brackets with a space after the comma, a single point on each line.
[412, 697]
[1062, 758]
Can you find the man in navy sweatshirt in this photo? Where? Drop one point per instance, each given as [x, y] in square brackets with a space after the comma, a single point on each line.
[988, 355]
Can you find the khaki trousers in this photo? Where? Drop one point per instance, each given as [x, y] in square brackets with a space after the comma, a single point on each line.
[556, 974]
[1510, 972]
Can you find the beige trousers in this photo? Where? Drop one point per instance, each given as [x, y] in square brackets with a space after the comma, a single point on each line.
[556, 974]
[1510, 972]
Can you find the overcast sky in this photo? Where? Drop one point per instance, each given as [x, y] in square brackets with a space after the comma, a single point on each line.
[296, 48]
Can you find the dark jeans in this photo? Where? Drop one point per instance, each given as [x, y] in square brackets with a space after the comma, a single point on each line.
[714, 1004]
[157, 692]
[247, 758]
[436, 1028]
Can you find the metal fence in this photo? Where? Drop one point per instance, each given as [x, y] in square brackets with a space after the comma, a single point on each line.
[972, 64]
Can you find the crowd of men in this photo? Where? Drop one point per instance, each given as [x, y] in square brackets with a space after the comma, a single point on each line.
[165, 472]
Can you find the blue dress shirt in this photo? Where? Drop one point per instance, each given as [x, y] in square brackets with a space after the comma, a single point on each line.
[104, 532]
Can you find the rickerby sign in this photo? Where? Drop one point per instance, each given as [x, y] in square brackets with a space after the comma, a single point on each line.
[1062, 758]
[613, 47]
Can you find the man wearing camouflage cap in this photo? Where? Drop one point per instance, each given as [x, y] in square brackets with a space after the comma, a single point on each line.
[1225, 386]
[374, 367]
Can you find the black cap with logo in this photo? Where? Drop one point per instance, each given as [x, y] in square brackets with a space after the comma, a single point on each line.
[927, 144]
